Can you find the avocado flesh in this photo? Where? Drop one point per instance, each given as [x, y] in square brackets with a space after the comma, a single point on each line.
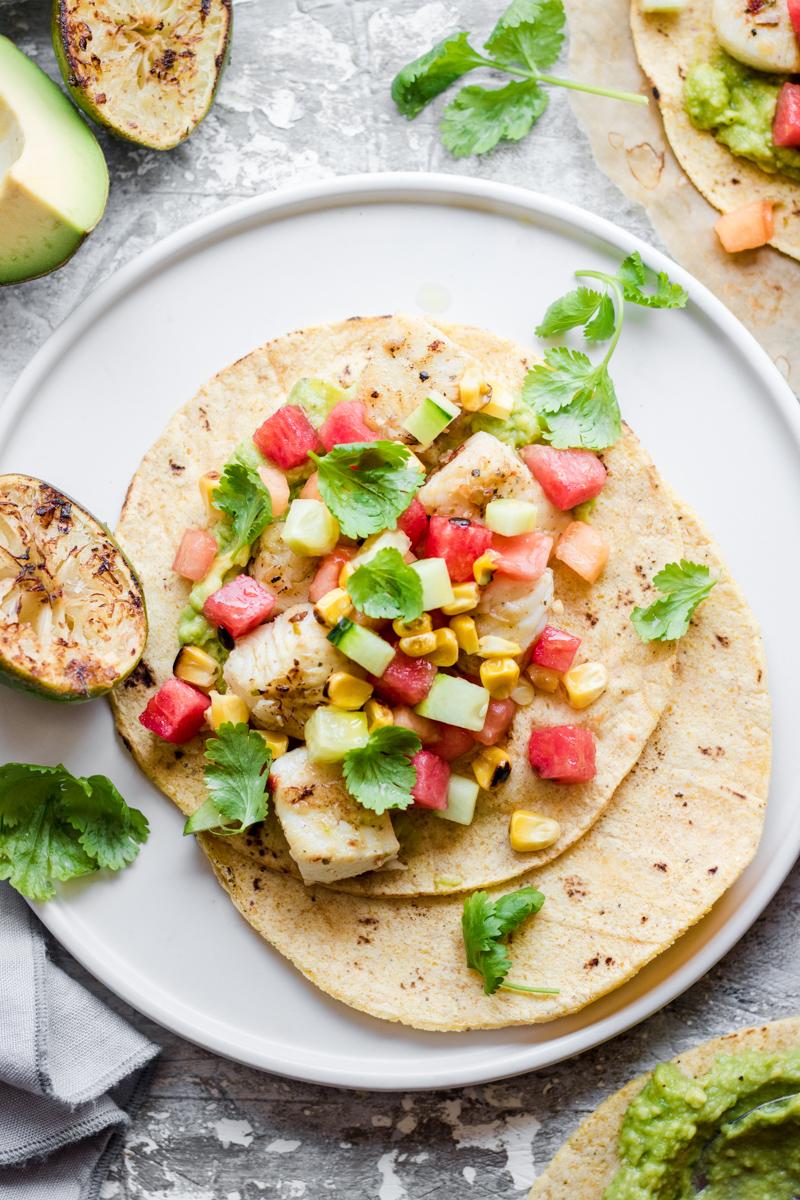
[53, 176]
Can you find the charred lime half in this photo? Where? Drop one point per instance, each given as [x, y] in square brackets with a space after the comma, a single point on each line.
[72, 614]
[148, 69]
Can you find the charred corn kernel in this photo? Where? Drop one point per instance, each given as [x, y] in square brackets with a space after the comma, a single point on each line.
[446, 652]
[523, 694]
[420, 624]
[345, 573]
[208, 484]
[585, 683]
[529, 831]
[418, 645]
[229, 709]
[465, 598]
[543, 679]
[277, 742]
[483, 569]
[497, 647]
[500, 676]
[491, 767]
[378, 715]
[347, 691]
[500, 403]
[334, 605]
[473, 390]
[194, 666]
[466, 633]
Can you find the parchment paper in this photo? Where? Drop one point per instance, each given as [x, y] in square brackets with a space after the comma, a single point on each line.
[629, 144]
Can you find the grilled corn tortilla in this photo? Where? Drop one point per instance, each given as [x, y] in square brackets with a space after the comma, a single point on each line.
[680, 829]
[586, 1164]
[634, 512]
[667, 46]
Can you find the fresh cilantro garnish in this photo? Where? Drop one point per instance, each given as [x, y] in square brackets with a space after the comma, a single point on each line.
[526, 40]
[244, 499]
[684, 586]
[236, 776]
[381, 775]
[367, 485]
[55, 826]
[574, 398]
[385, 586]
[485, 924]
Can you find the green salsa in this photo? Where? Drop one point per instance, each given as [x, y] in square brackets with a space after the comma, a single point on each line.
[711, 1136]
[737, 105]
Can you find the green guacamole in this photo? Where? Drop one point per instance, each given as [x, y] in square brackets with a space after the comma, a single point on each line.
[737, 105]
[707, 1137]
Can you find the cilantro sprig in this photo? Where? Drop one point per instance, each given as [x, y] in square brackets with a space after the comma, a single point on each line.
[236, 777]
[55, 826]
[485, 924]
[381, 775]
[243, 498]
[574, 399]
[684, 585]
[526, 40]
[385, 586]
[367, 485]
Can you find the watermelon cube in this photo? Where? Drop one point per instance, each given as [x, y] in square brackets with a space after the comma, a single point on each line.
[565, 753]
[177, 711]
[555, 649]
[346, 423]
[459, 542]
[433, 778]
[567, 477]
[286, 437]
[240, 605]
[405, 681]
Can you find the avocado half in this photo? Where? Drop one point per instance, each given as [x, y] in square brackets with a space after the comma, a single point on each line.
[53, 176]
[149, 72]
[73, 622]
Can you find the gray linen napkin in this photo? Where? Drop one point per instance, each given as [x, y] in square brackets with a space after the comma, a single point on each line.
[71, 1071]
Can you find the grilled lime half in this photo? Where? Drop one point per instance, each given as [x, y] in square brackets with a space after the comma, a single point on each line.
[72, 615]
[147, 69]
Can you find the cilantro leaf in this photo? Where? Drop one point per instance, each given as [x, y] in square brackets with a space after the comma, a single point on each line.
[385, 586]
[601, 328]
[485, 923]
[634, 276]
[684, 586]
[236, 777]
[575, 308]
[530, 33]
[426, 77]
[381, 775]
[244, 499]
[591, 420]
[55, 826]
[553, 384]
[367, 485]
[479, 117]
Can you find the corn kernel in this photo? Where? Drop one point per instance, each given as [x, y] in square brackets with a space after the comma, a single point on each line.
[334, 605]
[466, 633]
[345, 573]
[419, 644]
[473, 390]
[491, 767]
[523, 694]
[528, 831]
[228, 709]
[500, 676]
[585, 683]
[497, 647]
[465, 598]
[277, 742]
[378, 715]
[543, 679]
[347, 691]
[208, 484]
[421, 624]
[446, 652]
[500, 404]
[483, 569]
[194, 666]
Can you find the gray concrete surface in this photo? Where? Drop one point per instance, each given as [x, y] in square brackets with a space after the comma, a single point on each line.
[306, 97]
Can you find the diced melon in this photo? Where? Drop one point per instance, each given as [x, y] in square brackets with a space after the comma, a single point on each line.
[330, 732]
[462, 795]
[456, 701]
[310, 528]
[437, 590]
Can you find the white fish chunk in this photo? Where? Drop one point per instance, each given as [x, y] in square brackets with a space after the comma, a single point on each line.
[287, 575]
[330, 835]
[514, 608]
[759, 36]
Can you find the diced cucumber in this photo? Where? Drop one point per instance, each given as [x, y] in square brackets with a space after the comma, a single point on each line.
[363, 646]
[510, 517]
[390, 539]
[462, 794]
[310, 528]
[429, 418]
[330, 732]
[455, 701]
[437, 590]
[316, 397]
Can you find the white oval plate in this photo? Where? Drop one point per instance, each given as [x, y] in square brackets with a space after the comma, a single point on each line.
[713, 410]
